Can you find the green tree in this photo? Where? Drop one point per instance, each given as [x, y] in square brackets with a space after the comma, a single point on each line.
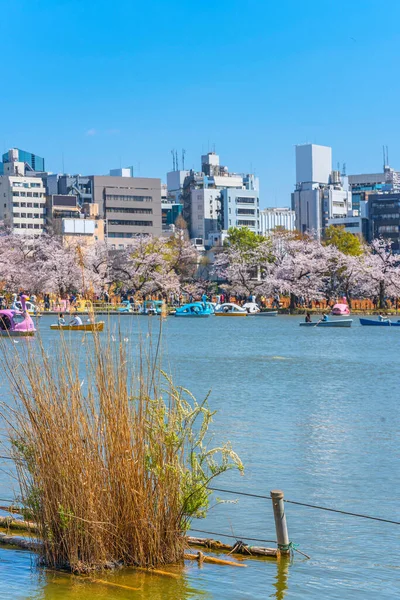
[242, 238]
[346, 242]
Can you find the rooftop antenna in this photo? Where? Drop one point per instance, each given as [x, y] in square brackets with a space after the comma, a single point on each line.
[384, 157]
[176, 160]
[183, 159]
[173, 160]
[338, 166]
[387, 156]
[344, 169]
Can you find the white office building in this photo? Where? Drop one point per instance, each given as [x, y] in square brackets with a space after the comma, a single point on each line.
[272, 219]
[215, 199]
[22, 199]
[321, 194]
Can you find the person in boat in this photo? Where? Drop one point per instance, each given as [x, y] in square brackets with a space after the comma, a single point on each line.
[75, 321]
[325, 318]
[61, 320]
[204, 299]
[308, 318]
[382, 317]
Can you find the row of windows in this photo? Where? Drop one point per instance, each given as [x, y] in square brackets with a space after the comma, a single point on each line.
[245, 211]
[27, 226]
[28, 215]
[26, 205]
[241, 200]
[25, 185]
[387, 216]
[385, 205]
[122, 235]
[127, 222]
[29, 194]
[388, 229]
[143, 211]
[246, 223]
[129, 198]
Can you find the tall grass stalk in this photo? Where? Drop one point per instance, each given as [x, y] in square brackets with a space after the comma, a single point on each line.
[111, 469]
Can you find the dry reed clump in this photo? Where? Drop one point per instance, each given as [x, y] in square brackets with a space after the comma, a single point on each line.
[111, 470]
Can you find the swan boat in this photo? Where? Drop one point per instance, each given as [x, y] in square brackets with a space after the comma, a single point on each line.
[230, 310]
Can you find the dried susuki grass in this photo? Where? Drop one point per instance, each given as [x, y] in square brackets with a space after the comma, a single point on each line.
[111, 469]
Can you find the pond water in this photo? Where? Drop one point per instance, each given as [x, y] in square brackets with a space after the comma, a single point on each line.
[313, 412]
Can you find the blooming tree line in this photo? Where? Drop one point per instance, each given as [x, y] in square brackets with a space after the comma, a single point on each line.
[303, 267]
[46, 265]
[283, 263]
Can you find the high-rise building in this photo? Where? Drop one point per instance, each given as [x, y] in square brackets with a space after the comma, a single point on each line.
[272, 219]
[320, 194]
[215, 199]
[22, 199]
[32, 161]
[131, 206]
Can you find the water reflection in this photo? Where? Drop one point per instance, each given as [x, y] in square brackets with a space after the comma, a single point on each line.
[120, 585]
[281, 579]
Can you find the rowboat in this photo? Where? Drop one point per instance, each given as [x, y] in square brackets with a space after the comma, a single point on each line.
[384, 323]
[230, 310]
[336, 323]
[84, 327]
[267, 313]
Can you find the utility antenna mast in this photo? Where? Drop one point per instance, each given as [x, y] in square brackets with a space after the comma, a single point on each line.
[183, 159]
[173, 160]
[176, 160]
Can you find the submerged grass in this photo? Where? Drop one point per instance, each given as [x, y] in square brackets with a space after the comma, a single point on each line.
[112, 469]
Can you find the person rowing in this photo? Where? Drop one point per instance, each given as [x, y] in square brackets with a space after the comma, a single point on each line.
[308, 318]
[75, 321]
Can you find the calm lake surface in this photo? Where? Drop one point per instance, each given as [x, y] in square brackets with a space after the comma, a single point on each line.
[314, 412]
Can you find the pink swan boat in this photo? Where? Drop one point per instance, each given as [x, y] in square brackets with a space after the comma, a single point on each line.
[16, 322]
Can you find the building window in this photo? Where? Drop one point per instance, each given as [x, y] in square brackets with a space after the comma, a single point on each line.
[29, 194]
[388, 229]
[30, 225]
[35, 205]
[15, 194]
[29, 205]
[23, 194]
[244, 223]
[142, 211]
[125, 198]
[16, 204]
[35, 195]
[36, 226]
[16, 215]
[245, 211]
[23, 204]
[242, 200]
[131, 223]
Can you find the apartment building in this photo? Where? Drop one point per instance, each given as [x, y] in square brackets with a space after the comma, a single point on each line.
[22, 198]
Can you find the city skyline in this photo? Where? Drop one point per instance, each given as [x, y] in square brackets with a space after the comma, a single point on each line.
[145, 79]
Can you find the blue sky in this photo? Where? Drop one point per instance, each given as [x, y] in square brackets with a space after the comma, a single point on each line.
[107, 84]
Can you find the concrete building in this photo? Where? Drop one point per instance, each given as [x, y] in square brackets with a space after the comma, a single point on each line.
[130, 206]
[124, 172]
[22, 198]
[215, 199]
[77, 185]
[73, 222]
[384, 213]
[276, 218]
[320, 194]
[32, 161]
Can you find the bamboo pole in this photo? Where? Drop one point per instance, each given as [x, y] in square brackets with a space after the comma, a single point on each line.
[211, 559]
[282, 535]
[234, 549]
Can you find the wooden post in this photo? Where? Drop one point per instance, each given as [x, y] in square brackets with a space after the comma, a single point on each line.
[282, 535]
